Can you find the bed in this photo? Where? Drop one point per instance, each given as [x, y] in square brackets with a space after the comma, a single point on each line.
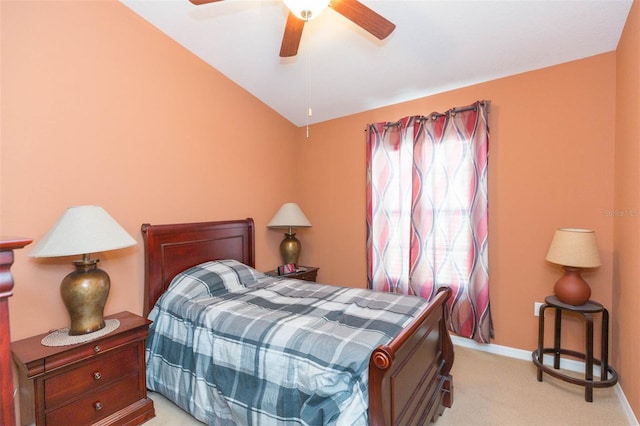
[408, 378]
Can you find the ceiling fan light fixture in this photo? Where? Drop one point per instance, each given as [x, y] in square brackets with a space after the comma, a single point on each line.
[306, 9]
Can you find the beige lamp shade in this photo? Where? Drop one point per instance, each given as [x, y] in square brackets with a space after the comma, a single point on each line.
[82, 230]
[574, 247]
[289, 216]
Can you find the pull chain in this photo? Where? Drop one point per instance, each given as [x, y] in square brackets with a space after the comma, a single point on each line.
[306, 57]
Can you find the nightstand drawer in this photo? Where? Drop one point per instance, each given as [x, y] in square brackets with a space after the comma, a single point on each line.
[86, 351]
[98, 404]
[99, 372]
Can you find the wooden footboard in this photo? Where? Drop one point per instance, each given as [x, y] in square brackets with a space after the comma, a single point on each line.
[409, 379]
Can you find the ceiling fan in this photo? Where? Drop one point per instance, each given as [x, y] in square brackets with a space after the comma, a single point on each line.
[301, 11]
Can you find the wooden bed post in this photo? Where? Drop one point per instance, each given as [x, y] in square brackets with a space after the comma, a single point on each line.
[448, 357]
[7, 246]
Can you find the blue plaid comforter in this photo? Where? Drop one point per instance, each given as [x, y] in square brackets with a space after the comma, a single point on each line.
[233, 346]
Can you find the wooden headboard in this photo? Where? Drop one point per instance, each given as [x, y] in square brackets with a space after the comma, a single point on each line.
[170, 249]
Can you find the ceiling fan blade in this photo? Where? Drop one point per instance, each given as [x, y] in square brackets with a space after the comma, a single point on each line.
[292, 36]
[199, 2]
[364, 17]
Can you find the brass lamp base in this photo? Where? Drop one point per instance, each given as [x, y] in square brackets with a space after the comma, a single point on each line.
[84, 293]
[290, 248]
[571, 288]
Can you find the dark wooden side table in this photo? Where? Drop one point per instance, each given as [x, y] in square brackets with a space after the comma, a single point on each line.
[101, 381]
[608, 376]
[307, 273]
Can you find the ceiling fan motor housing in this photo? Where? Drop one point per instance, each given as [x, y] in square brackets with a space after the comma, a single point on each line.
[306, 9]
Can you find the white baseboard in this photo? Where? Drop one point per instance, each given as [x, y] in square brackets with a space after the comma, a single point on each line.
[567, 364]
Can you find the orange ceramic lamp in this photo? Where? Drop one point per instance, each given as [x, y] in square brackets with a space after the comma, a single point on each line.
[574, 249]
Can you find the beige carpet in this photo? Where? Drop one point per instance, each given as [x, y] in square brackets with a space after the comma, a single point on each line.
[492, 390]
[496, 390]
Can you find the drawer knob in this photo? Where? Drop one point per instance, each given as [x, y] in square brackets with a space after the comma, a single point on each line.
[96, 348]
[98, 406]
[97, 375]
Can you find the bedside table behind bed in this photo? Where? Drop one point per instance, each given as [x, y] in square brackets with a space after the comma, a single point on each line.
[307, 273]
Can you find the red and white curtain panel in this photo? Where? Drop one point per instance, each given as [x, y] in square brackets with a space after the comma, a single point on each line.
[427, 224]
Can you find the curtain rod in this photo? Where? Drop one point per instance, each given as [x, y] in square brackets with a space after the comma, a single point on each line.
[433, 116]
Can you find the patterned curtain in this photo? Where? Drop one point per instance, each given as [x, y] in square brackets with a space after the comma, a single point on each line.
[427, 224]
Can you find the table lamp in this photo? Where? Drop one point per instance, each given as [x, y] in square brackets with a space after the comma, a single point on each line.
[84, 230]
[574, 249]
[290, 216]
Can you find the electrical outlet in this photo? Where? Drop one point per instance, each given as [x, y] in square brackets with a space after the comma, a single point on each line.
[536, 308]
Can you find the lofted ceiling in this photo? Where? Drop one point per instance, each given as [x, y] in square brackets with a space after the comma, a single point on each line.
[340, 69]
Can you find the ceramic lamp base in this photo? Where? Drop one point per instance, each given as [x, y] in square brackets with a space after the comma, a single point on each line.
[84, 293]
[571, 288]
[290, 248]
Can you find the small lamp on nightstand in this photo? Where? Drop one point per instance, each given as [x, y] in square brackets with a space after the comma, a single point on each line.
[574, 249]
[84, 230]
[290, 216]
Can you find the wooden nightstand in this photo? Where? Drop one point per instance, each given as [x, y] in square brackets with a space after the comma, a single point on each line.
[307, 273]
[101, 381]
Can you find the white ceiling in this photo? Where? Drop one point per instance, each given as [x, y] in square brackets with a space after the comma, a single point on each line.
[340, 69]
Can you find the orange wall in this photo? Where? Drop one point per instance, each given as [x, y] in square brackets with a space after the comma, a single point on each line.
[99, 107]
[164, 132]
[550, 165]
[562, 140]
[626, 250]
